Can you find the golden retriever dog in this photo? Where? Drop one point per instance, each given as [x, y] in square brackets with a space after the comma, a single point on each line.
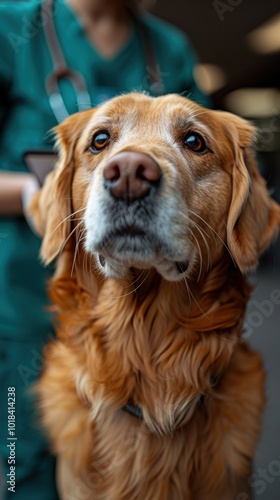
[154, 214]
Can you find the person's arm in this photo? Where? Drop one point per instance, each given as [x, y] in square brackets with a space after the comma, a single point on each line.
[12, 186]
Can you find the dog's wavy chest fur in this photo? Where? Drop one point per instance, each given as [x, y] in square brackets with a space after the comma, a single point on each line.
[188, 414]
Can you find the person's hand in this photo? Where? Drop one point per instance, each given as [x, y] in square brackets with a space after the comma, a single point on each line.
[12, 185]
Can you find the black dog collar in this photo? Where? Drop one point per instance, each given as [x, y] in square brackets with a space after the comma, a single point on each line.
[134, 410]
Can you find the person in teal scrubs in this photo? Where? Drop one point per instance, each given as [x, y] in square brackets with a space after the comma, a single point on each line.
[104, 42]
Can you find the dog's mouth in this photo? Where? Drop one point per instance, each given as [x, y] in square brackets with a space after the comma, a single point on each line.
[179, 267]
[182, 267]
[133, 246]
[127, 242]
[131, 232]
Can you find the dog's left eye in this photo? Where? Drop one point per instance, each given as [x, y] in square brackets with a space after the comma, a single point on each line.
[195, 142]
[99, 141]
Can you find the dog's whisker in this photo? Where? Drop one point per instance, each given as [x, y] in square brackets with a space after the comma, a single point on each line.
[137, 279]
[77, 246]
[68, 237]
[200, 230]
[215, 232]
[194, 299]
[134, 289]
[200, 255]
[203, 234]
[67, 218]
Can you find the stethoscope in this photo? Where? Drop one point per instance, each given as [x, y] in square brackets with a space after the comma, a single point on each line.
[61, 70]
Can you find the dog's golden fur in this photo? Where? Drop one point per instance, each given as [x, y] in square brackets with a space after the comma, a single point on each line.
[173, 347]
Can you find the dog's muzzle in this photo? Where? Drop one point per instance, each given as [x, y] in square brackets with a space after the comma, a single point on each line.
[134, 218]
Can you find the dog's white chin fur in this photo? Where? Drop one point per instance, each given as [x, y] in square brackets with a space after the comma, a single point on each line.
[117, 269]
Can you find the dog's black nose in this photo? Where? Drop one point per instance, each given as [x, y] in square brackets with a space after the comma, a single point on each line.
[129, 175]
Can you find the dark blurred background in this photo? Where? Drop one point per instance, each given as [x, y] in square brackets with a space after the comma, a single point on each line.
[238, 46]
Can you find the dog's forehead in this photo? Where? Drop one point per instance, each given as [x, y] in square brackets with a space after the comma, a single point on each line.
[139, 108]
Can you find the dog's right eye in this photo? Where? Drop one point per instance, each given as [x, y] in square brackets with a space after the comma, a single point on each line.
[99, 141]
[195, 142]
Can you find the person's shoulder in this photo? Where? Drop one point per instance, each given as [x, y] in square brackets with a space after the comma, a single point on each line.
[13, 15]
[16, 8]
[162, 30]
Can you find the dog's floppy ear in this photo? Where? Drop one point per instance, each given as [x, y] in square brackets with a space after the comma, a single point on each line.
[254, 217]
[52, 205]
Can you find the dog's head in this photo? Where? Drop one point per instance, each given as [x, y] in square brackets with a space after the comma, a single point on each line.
[156, 183]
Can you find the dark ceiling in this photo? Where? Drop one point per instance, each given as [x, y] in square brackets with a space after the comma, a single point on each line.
[218, 32]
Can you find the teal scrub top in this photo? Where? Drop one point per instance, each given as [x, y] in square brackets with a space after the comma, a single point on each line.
[26, 117]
